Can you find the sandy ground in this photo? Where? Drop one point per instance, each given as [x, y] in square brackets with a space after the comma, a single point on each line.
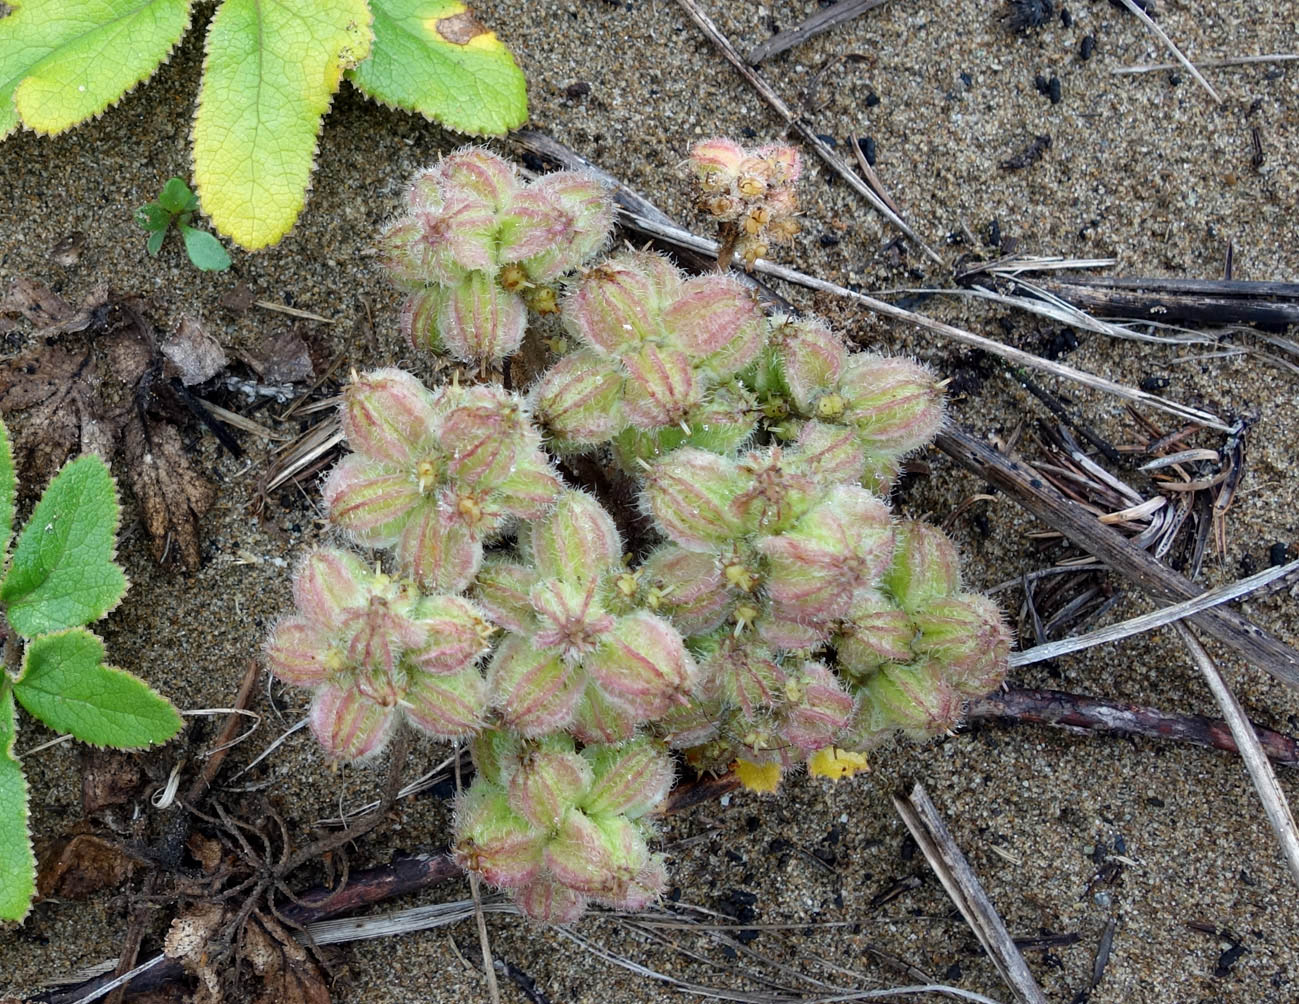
[1143, 168]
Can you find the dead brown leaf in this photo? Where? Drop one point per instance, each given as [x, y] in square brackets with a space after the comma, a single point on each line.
[108, 777]
[288, 973]
[76, 866]
[36, 302]
[52, 384]
[239, 299]
[108, 392]
[197, 356]
[187, 940]
[282, 358]
[171, 494]
[205, 850]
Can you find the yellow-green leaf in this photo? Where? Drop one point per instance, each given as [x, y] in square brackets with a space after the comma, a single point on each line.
[435, 58]
[271, 69]
[64, 61]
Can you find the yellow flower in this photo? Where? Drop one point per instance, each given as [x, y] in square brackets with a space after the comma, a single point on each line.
[763, 778]
[836, 764]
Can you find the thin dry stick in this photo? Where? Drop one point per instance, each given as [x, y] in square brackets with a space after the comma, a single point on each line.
[869, 174]
[1177, 53]
[282, 308]
[484, 943]
[1022, 706]
[1157, 618]
[684, 238]
[962, 885]
[1254, 645]
[1047, 304]
[1260, 771]
[653, 223]
[820, 22]
[1275, 57]
[769, 95]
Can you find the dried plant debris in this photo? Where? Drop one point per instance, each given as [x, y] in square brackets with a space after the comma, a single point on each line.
[1029, 155]
[172, 495]
[197, 356]
[109, 778]
[67, 249]
[288, 974]
[281, 358]
[95, 380]
[80, 864]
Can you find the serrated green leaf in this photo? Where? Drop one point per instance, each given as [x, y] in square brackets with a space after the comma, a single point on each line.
[176, 197]
[66, 685]
[62, 573]
[8, 492]
[270, 72]
[154, 244]
[64, 61]
[17, 862]
[435, 58]
[204, 250]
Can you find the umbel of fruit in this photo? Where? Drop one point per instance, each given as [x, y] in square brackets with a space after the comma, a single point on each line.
[477, 248]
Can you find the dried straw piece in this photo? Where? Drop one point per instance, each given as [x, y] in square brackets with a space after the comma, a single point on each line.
[962, 886]
[1256, 762]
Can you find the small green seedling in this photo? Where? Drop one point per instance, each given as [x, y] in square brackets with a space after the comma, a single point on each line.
[59, 577]
[176, 206]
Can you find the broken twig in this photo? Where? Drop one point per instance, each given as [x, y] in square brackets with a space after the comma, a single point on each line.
[1148, 21]
[1260, 771]
[1253, 644]
[1180, 301]
[962, 885]
[1154, 619]
[1055, 707]
[1275, 57]
[818, 23]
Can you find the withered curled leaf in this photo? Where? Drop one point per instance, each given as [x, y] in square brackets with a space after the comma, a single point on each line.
[172, 495]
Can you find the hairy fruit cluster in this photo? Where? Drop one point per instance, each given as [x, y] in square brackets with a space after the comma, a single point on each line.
[750, 192]
[575, 656]
[477, 248]
[658, 357]
[377, 650]
[436, 473]
[809, 379]
[918, 647]
[558, 828]
[772, 611]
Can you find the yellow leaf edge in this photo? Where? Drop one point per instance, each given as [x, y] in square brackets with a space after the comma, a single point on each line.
[171, 51]
[276, 235]
[485, 38]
